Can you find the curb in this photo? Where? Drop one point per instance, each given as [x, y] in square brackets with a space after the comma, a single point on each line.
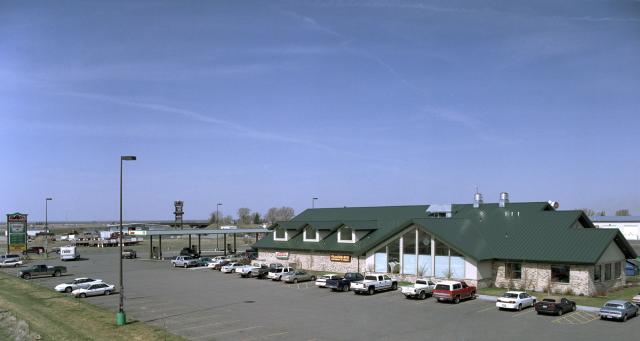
[578, 307]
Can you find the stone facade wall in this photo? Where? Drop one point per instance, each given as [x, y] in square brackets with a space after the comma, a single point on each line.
[537, 277]
[313, 261]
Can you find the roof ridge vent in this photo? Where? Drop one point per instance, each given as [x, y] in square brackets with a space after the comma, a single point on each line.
[504, 199]
[477, 199]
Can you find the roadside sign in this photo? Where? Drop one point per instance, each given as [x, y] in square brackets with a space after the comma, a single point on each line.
[282, 255]
[16, 232]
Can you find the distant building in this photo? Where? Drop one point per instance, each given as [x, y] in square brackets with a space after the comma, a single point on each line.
[628, 225]
[526, 245]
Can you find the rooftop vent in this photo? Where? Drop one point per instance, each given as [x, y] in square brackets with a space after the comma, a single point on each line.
[554, 204]
[504, 199]
[439, 211]
[477, 199]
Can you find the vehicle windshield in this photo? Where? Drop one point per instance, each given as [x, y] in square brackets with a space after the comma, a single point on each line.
[421, 282]
[510, 295]
[549, 300]
[442, 287]
[371, 278]
[613, 305]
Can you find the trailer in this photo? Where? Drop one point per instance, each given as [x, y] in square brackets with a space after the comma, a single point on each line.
[69, 253]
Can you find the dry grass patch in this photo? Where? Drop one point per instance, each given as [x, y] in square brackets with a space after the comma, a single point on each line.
[56, 316]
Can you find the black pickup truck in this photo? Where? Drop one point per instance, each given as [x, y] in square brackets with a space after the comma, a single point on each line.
[344, 283]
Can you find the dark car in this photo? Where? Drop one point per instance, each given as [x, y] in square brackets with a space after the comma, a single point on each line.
[129, 254]
[344, 283]
[35, 249]
[187, 251]
[555, 306]
[218, 266]
[263, 271]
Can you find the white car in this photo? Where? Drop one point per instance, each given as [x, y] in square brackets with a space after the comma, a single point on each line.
[10, 262]
[636, 300]
[515, 300]
[231, 267]
[322, 280]
[94, 290]
[78, 283]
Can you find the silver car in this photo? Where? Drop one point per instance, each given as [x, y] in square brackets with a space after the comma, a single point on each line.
[298, 276]
[618, 310]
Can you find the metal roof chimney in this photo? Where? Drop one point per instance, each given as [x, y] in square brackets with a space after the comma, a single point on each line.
[504, 199]
[477, 199]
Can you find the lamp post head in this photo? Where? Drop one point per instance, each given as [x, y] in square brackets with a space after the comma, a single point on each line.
[48, 199]
[128, 158]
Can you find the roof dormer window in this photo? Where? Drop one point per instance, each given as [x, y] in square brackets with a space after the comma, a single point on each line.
[280, 234]
[311, 234]
[346, 235]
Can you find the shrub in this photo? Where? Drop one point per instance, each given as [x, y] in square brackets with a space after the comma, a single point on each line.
[569, 292]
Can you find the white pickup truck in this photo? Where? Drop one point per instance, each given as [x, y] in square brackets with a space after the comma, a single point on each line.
[373, 283]
[420, 289]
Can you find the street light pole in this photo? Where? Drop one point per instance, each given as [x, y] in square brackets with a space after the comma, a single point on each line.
[121, 318]
[313, 202]
[46, 226]
[217, 225]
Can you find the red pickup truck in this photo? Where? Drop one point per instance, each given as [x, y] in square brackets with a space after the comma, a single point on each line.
[453, 291]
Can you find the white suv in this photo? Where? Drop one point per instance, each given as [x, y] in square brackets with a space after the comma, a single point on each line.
[277, 273]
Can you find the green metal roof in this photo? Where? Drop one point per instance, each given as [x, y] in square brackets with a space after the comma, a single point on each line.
[520, 231]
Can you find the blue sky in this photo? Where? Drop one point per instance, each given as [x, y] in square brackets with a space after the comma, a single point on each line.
[261, 104]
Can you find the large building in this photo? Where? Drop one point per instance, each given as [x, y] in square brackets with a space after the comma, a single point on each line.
[628, 225]
[520, 245]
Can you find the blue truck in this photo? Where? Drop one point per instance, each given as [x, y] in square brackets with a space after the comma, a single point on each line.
[344, 283]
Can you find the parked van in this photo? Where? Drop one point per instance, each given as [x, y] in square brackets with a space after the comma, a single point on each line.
[69, 253]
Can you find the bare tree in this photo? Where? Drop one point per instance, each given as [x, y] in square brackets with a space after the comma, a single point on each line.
[623, 212]
[227, 220]
[601, 213]
[244, 215]
[279, 214]
[212, 218]
[588, 212]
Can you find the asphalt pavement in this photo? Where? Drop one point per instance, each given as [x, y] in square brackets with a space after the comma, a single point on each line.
[203, 304]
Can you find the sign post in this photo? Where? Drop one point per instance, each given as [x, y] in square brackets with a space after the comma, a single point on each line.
[16, 233]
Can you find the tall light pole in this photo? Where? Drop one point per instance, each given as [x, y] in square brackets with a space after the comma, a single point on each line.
[121, 318]
[46, 226]
[217, 224]
[313, 202]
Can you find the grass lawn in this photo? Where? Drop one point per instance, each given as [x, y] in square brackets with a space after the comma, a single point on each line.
[60, 317]
[622, 294]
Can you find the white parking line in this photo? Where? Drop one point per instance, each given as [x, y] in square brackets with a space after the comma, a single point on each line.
[213, 324]
[262, 337]
[225, 332]
[523, 312]
[487, 308]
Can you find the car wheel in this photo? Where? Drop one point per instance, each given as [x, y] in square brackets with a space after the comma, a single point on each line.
[635, 314]
[56, 273]
[624, 318]
[456, 300]
[371, 291]
[394, 286]
[560, 312]
[295, 281]
[26, 276]
[15, 265]
[184, 265]
[533, 303]
[346, 288]
[422, 295]
[83, 295]
[68, 289]
[573, 307]
[174, 264]
[107, 292]
[313, 278]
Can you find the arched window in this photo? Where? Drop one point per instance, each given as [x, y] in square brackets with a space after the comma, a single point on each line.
[310, 234]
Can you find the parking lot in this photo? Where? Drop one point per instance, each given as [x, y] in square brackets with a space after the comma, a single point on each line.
[202, 304]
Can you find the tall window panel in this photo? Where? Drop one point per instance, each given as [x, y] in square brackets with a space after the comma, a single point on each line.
[424, 254]
[409, 259]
